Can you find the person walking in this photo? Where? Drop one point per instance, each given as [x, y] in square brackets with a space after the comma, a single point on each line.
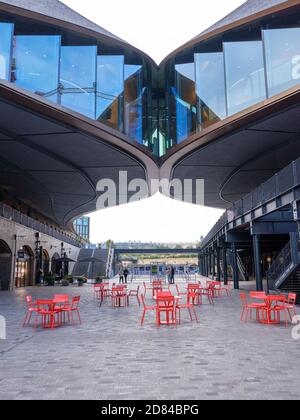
[126, 274]
[121, 276]
[168, 275]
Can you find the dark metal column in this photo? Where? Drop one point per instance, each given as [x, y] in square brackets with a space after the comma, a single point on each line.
[214, 263]
[218, 264]
[257, 263]
[225, 267]
[235, 267]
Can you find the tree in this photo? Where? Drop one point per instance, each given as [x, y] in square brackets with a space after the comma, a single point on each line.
[110, 244]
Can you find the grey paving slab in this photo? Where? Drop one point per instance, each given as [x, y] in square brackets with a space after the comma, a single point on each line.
[111, 357]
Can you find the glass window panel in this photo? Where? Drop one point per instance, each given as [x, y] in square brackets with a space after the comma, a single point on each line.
[283, 59]
[245, 74]
[210, 87]
[78, 78]
[6, 34]
[110, 87]
[133, 102]
[185, 95]
[37, 64]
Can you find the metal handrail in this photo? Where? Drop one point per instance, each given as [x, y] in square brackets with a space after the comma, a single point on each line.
[280, 183]
[9, 213]
[281, 265]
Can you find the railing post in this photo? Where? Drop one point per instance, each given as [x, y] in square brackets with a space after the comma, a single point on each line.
[235, 267]
[294, 247]
[257, 263]
[225, 268]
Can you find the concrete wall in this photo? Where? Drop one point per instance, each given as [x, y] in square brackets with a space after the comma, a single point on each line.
[26, 237]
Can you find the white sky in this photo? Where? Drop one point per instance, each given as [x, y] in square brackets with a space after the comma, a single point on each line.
[157, 27]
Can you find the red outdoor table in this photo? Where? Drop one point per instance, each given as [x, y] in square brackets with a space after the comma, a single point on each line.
[48, 315]
[269, 300]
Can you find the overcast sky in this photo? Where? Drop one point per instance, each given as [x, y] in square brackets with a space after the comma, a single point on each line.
[157, 27]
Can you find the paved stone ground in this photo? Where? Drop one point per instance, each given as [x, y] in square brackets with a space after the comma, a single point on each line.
[111, 357]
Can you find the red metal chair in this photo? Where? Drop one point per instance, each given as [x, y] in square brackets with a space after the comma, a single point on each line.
[146, 309]
[157, 287]
[147, 287]
[73, 308]
[134, 293]
[249, 307]
[166, 306]
[32, 308]
[189, 305]
[119, 297]
[290, 304]
[194, 293]
[209, 292]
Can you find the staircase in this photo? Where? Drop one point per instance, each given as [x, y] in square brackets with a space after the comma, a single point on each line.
[284, 274]
[110, 262]
[91, 270]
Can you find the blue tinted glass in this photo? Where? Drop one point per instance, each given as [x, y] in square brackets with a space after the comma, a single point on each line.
[185, 96]
[6, 34]
[110, 87]
[133, 102]
[245, 74]
[37, 64]
[283, 59]
[78, 78]
[210, 87]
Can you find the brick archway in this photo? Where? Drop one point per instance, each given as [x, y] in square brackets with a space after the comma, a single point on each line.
[5, 265]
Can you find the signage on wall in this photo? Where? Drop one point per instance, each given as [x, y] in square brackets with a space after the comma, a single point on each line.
[21, 256]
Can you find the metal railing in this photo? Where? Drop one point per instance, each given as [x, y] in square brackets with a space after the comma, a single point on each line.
[285, 180]
[16, 216]
[281, 266]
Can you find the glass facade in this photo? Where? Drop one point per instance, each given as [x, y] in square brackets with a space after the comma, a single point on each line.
[158, 108]
[6, 34]
[185, 100]
[82, 227]
[78, 79]
[110, 89]
[36, 60]
[245, 75]
[210, 88]
[282, 59]
[133, 102]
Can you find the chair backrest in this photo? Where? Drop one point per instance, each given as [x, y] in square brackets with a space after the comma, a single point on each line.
[61, 298]
[292, 298]
[165, 302]
[75, 302]
[28, 300]
[243, 298]
[143, 300]
[258, 295]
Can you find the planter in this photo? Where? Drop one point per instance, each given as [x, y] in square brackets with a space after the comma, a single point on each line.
[80, 283]
[65, 283]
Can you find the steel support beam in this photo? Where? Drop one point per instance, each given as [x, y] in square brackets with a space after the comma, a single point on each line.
[225, 267]
[257, 263]
[235, 267]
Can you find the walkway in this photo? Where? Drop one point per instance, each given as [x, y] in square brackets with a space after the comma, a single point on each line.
[111, 357]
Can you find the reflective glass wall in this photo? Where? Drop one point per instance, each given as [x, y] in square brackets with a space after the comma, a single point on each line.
[6, 34]
[86, 77]
[239, 72]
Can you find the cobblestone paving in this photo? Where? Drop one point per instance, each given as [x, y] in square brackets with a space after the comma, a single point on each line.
[111, 357]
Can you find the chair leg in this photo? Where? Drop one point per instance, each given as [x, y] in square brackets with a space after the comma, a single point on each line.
[195, 313]
[25, 319]
[143, 318]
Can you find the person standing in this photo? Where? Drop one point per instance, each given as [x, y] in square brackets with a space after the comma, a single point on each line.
[121, 276]
[172, 275]
[126, 273]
